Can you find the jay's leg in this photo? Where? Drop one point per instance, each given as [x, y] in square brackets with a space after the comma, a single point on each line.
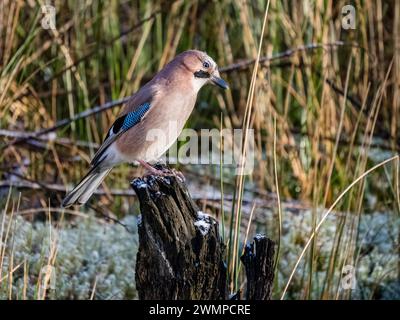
[162, 172]
[151, 169]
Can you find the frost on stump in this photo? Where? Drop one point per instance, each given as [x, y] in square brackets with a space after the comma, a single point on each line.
[181, 254]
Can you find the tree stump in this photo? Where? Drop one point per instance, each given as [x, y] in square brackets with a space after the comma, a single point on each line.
[181, 254]
[258, 259]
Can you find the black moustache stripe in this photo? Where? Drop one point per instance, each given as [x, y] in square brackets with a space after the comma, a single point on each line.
[201, 74]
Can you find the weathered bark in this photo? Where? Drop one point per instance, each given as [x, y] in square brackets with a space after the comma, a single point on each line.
[181, 254]
[258, 259]
[180, 251]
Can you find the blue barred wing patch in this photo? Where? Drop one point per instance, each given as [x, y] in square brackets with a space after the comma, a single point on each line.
[128, 120]
[134, 117]
[120, 125]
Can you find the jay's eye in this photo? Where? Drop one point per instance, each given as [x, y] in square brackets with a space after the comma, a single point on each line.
[206, 64]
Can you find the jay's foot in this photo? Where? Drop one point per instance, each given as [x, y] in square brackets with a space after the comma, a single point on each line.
[163, 171]
[150, 169]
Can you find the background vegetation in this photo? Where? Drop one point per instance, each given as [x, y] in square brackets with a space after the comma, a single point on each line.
[325, 109]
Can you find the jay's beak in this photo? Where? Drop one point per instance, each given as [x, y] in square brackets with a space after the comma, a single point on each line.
[215, 79]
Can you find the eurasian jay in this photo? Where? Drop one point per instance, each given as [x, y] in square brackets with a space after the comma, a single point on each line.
[168, 98]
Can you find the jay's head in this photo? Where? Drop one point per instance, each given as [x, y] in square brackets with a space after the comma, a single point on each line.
[202, 68]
